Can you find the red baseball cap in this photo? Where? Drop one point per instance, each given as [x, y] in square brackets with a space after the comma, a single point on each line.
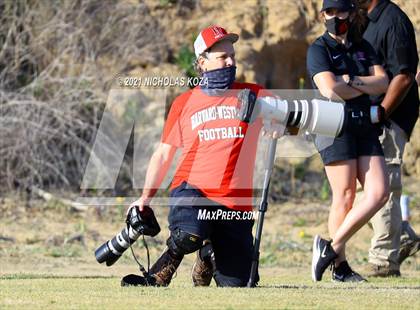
[209, 36]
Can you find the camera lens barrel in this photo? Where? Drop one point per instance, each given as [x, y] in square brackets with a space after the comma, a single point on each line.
[111, 251]
[315, 116]
[104, 254]
[327, 118]
[295, 114]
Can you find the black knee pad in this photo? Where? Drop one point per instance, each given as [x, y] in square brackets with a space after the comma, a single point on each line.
[181, 242]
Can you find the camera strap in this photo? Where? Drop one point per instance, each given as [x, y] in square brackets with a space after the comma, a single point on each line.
[141, 267]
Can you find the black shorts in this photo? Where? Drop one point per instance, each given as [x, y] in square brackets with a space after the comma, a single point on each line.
[359, 138]
[231, 240]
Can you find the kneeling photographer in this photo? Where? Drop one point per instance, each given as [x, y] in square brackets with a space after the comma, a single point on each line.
[217, 127]
[342, 64]
[210, 174]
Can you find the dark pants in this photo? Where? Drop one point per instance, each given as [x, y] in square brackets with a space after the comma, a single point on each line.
[231, 240]
[359, 138]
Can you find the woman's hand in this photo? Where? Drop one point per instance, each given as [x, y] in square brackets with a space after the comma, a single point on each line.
[374, 84]
[345, 78]
[334, 87]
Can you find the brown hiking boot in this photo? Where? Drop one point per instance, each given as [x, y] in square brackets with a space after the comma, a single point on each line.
[202, 271]
[382, 271]
[164, 268]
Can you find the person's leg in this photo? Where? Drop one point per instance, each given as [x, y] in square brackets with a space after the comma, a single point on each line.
[385, 243]
[342, 178]
[372, 175]
[187, 233]
[232, 243]
[340, 165]
[370, 171]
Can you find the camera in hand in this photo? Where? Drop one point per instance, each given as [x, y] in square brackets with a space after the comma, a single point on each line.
[138, 223]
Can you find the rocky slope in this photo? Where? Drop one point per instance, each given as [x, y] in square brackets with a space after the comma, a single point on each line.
[274, 37]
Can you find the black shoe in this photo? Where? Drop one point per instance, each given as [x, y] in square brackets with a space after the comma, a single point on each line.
[344, 273]
[322, 256]
[135, 280]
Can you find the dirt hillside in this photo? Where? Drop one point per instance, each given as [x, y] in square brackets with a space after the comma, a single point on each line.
[274, 37]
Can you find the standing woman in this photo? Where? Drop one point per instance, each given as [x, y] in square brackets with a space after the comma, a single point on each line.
[342, 65]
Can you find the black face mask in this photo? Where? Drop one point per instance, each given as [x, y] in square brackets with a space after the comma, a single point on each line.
[337, 26]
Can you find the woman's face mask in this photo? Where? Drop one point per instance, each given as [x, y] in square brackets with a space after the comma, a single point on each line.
[337, 25]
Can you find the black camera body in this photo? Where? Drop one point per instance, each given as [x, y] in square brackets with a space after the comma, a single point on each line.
[138, 223]
[144, 222]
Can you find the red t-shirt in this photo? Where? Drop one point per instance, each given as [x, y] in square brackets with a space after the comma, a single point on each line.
[218, 150]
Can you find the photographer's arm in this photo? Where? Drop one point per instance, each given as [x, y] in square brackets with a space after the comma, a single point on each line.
[159, 165]
[333, 87]
[374, 84]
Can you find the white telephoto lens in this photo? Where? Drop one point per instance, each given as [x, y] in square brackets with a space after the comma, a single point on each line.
[315, 116]
[374, 114]
[273, 108]
[327, 118]
[405, 210]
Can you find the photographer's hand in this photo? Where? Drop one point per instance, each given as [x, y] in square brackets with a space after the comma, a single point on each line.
[141, 202]
[273, 129]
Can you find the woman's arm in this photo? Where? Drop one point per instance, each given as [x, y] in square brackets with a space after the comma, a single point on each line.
[334, 88]
[374, 84]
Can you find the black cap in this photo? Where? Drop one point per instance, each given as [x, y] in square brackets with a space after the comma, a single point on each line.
[341, 5]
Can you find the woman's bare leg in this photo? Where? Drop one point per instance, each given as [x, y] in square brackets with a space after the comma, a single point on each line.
[371, 172]
[342, 177]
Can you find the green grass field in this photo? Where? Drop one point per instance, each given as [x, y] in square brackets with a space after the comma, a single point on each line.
[39, 269]
[280, 289]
